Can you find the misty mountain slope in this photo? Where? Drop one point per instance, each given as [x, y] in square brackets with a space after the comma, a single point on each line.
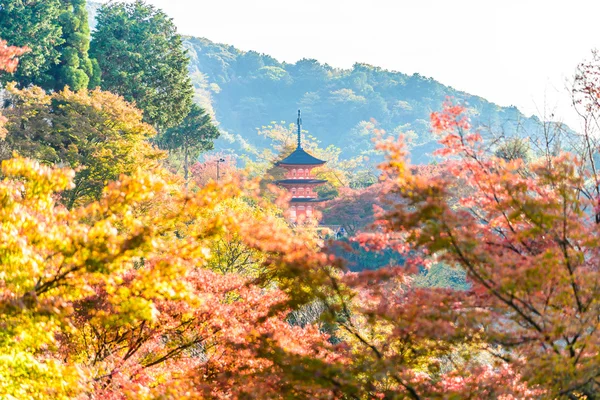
[248, 90]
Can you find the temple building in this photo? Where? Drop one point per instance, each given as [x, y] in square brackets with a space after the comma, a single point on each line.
[299, 181]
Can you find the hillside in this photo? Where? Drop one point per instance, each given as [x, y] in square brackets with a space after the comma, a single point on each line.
[247, 90]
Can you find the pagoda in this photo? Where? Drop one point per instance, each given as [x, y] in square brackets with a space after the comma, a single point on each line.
[299, 181]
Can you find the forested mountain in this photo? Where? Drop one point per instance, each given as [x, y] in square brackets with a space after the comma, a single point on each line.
[249, 90]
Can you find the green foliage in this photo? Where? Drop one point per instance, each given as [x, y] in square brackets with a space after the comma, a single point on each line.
[357, 258]
[75, 70]
[58, 34]
[336, 104]
[33, 23]
[192, 136]
[141, 57]
[196, 132]
[97, 133]
[442, 276]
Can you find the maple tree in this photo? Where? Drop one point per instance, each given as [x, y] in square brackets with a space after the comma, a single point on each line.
[9, 56]
[527, 242]
[206, 170]
[116, 297]
[354, 209]
[524, 234]
[9, 59]
[95, 132]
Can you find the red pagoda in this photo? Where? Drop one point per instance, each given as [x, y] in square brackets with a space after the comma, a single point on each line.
[299, 181]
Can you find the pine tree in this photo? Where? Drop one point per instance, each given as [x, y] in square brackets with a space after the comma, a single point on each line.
[142, 58]
[75, 69]
[192, 136]
[33, 24]
[58, 35]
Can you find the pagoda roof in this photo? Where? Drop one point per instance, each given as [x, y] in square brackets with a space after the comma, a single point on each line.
[306, 200]
[299, 181]
[300, 157]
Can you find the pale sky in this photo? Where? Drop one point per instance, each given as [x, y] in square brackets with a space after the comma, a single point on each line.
[510, 52]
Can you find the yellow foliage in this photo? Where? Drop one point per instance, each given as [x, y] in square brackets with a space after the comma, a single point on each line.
[97, 133]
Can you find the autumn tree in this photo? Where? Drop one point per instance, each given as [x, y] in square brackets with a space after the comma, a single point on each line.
[9, 56]
[115, 299]
[97, 133]
[142, 58]
[527, 243]
[213, 167]
[9, 59]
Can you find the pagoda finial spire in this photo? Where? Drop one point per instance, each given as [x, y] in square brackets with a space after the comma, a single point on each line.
[299, 129]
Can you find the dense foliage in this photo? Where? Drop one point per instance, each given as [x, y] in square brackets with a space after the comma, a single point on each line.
[58, 35]
[75, 70]
[527, 239]
[120, 280]
[33, 24]
[141, 58]
[96, 133]
[116, 297]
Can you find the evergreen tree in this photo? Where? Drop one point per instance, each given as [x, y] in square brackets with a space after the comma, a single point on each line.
[33, 23]
[192, 136]
[141, 57]
[75, 69]
[58, 34]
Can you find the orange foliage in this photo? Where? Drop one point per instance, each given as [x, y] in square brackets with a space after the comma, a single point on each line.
[9, 59]
[9, 56]
[119, 298]
[528, 241]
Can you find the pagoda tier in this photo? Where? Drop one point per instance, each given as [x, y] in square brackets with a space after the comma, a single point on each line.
[295, 182]
[299, 180]
[299, 157]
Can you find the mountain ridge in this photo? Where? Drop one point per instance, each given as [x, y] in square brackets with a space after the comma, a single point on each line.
[245, 90]
[248, 90]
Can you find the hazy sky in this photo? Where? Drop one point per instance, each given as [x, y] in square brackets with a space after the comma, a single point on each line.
[511, 52]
